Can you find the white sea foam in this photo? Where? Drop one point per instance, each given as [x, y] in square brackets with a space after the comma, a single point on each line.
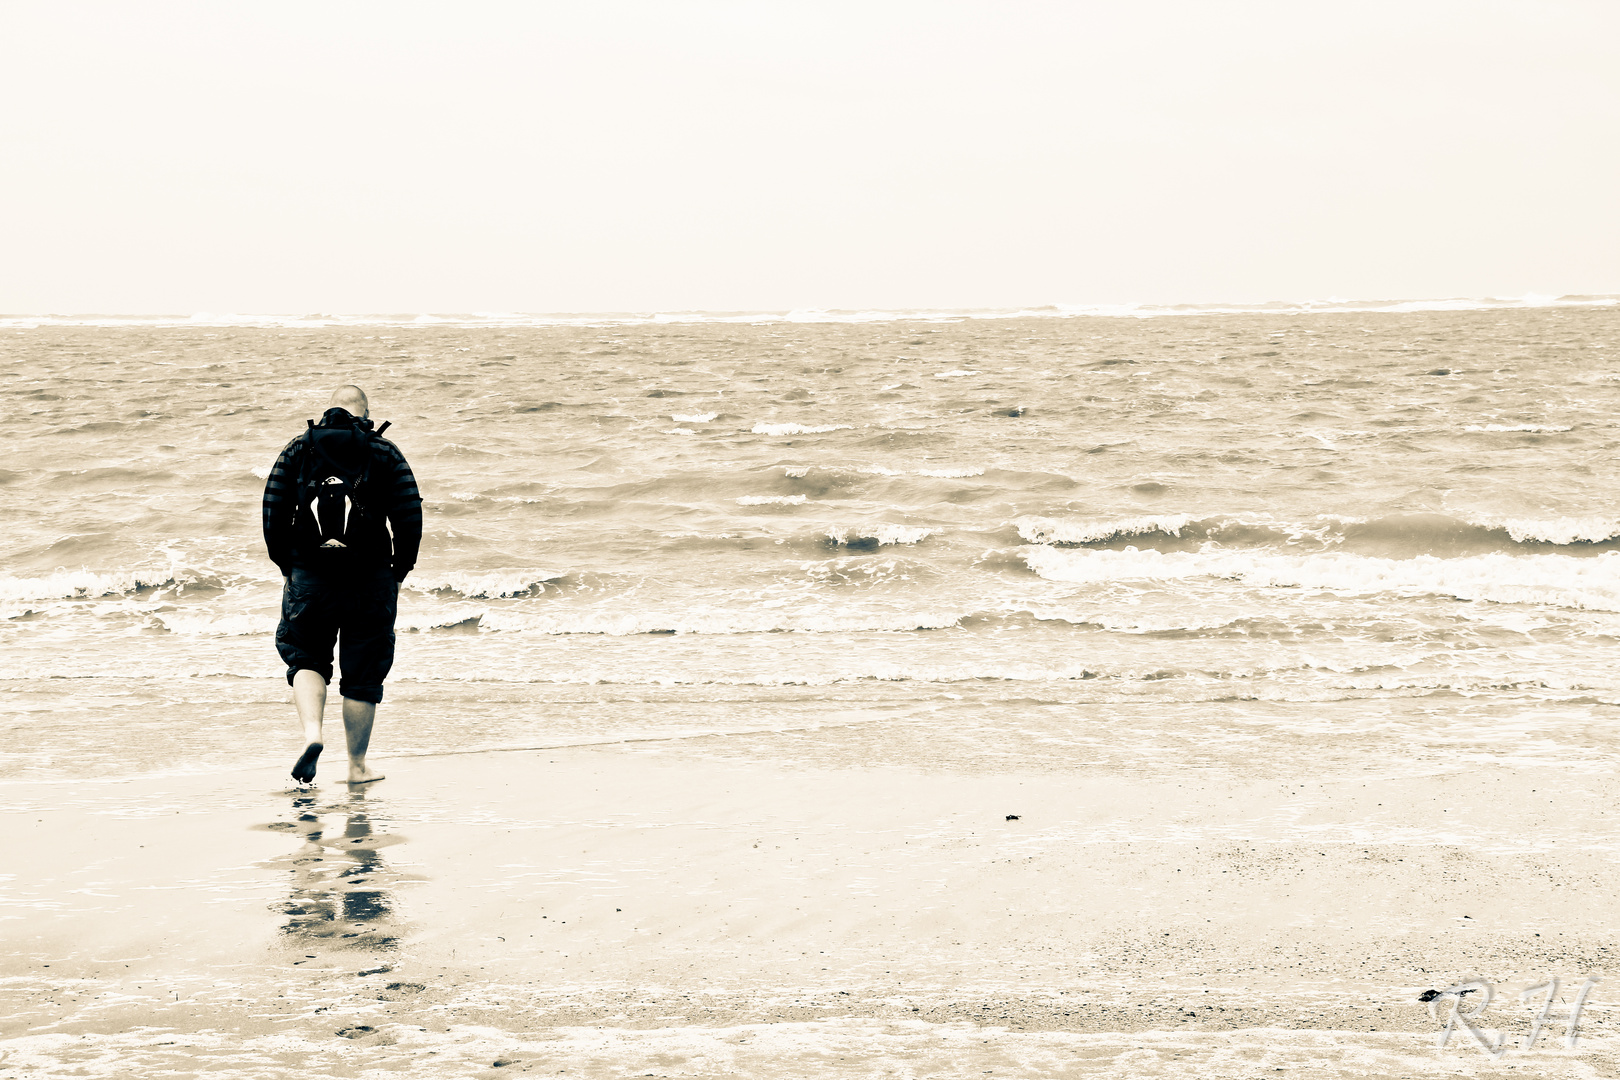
[618, 624]
[439, 617]
[77, 584]
[950, 474]
[1557, 580]
[220, 626]
[797, 429]
[1569, 530]
[772, 500]
[1517, 427]
[487, 584]
[695, 418]
[957, 373]
[956, 673]
[796, 471]
[1036, 530]
[680, 431]
[882, 533]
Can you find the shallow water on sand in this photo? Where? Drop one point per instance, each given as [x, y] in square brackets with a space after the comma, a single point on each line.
[597, 913]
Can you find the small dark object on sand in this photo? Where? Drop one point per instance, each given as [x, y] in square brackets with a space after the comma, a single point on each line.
[303, 769]
[1430, 995]
[1012, 817]
[359, 1031]
[503, 1062]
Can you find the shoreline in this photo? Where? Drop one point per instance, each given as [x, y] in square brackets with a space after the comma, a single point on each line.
[530, 894]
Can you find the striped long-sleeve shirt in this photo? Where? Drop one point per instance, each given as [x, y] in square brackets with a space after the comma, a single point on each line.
[390, 492]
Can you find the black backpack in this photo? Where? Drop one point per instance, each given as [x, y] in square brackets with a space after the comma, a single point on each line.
[334, 471]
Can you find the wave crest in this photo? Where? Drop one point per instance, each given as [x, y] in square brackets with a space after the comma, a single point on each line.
[1393, 535]
[491, 584]
[878, 535]
[1562, 531]
[89, 584]
[1037, 530]
[1554, 580]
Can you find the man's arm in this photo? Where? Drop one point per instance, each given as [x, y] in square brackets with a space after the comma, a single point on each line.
[278, 508]
[404, 514]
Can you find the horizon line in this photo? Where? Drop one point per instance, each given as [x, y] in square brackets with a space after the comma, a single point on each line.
[1131, 309]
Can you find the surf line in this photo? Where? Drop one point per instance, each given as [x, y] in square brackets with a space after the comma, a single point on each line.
[642, 739]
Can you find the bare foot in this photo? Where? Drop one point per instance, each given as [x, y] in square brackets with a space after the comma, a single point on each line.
[363, 774]
[303, 770]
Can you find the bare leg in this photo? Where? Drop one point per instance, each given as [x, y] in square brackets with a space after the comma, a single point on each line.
[357, 719]
[309, 694]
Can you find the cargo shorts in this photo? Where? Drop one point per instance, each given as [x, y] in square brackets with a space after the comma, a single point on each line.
[352, 611]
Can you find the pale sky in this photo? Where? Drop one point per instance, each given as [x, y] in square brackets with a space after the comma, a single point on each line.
[359, 156]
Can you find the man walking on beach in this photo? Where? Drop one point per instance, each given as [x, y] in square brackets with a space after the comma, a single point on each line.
[329, 504]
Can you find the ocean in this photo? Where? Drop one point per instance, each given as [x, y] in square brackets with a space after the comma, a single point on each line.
[1111, 550]
[1179, 526]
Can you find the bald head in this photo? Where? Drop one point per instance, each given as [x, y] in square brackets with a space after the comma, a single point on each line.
[351, 399]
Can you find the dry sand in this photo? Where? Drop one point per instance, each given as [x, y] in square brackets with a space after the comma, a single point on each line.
[615, 912]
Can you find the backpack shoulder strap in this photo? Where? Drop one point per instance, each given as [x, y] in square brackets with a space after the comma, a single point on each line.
[305, 443]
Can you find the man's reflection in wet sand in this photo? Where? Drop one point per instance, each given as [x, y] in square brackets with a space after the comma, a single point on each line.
[340, 891]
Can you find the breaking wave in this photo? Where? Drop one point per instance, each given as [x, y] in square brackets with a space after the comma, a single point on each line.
[1048, 531]
[1554, 580]
[91, 584]
[1395, 535]
[490, 584]
[878, 535]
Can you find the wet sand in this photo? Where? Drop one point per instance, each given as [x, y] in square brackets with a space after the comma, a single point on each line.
[623, 911]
